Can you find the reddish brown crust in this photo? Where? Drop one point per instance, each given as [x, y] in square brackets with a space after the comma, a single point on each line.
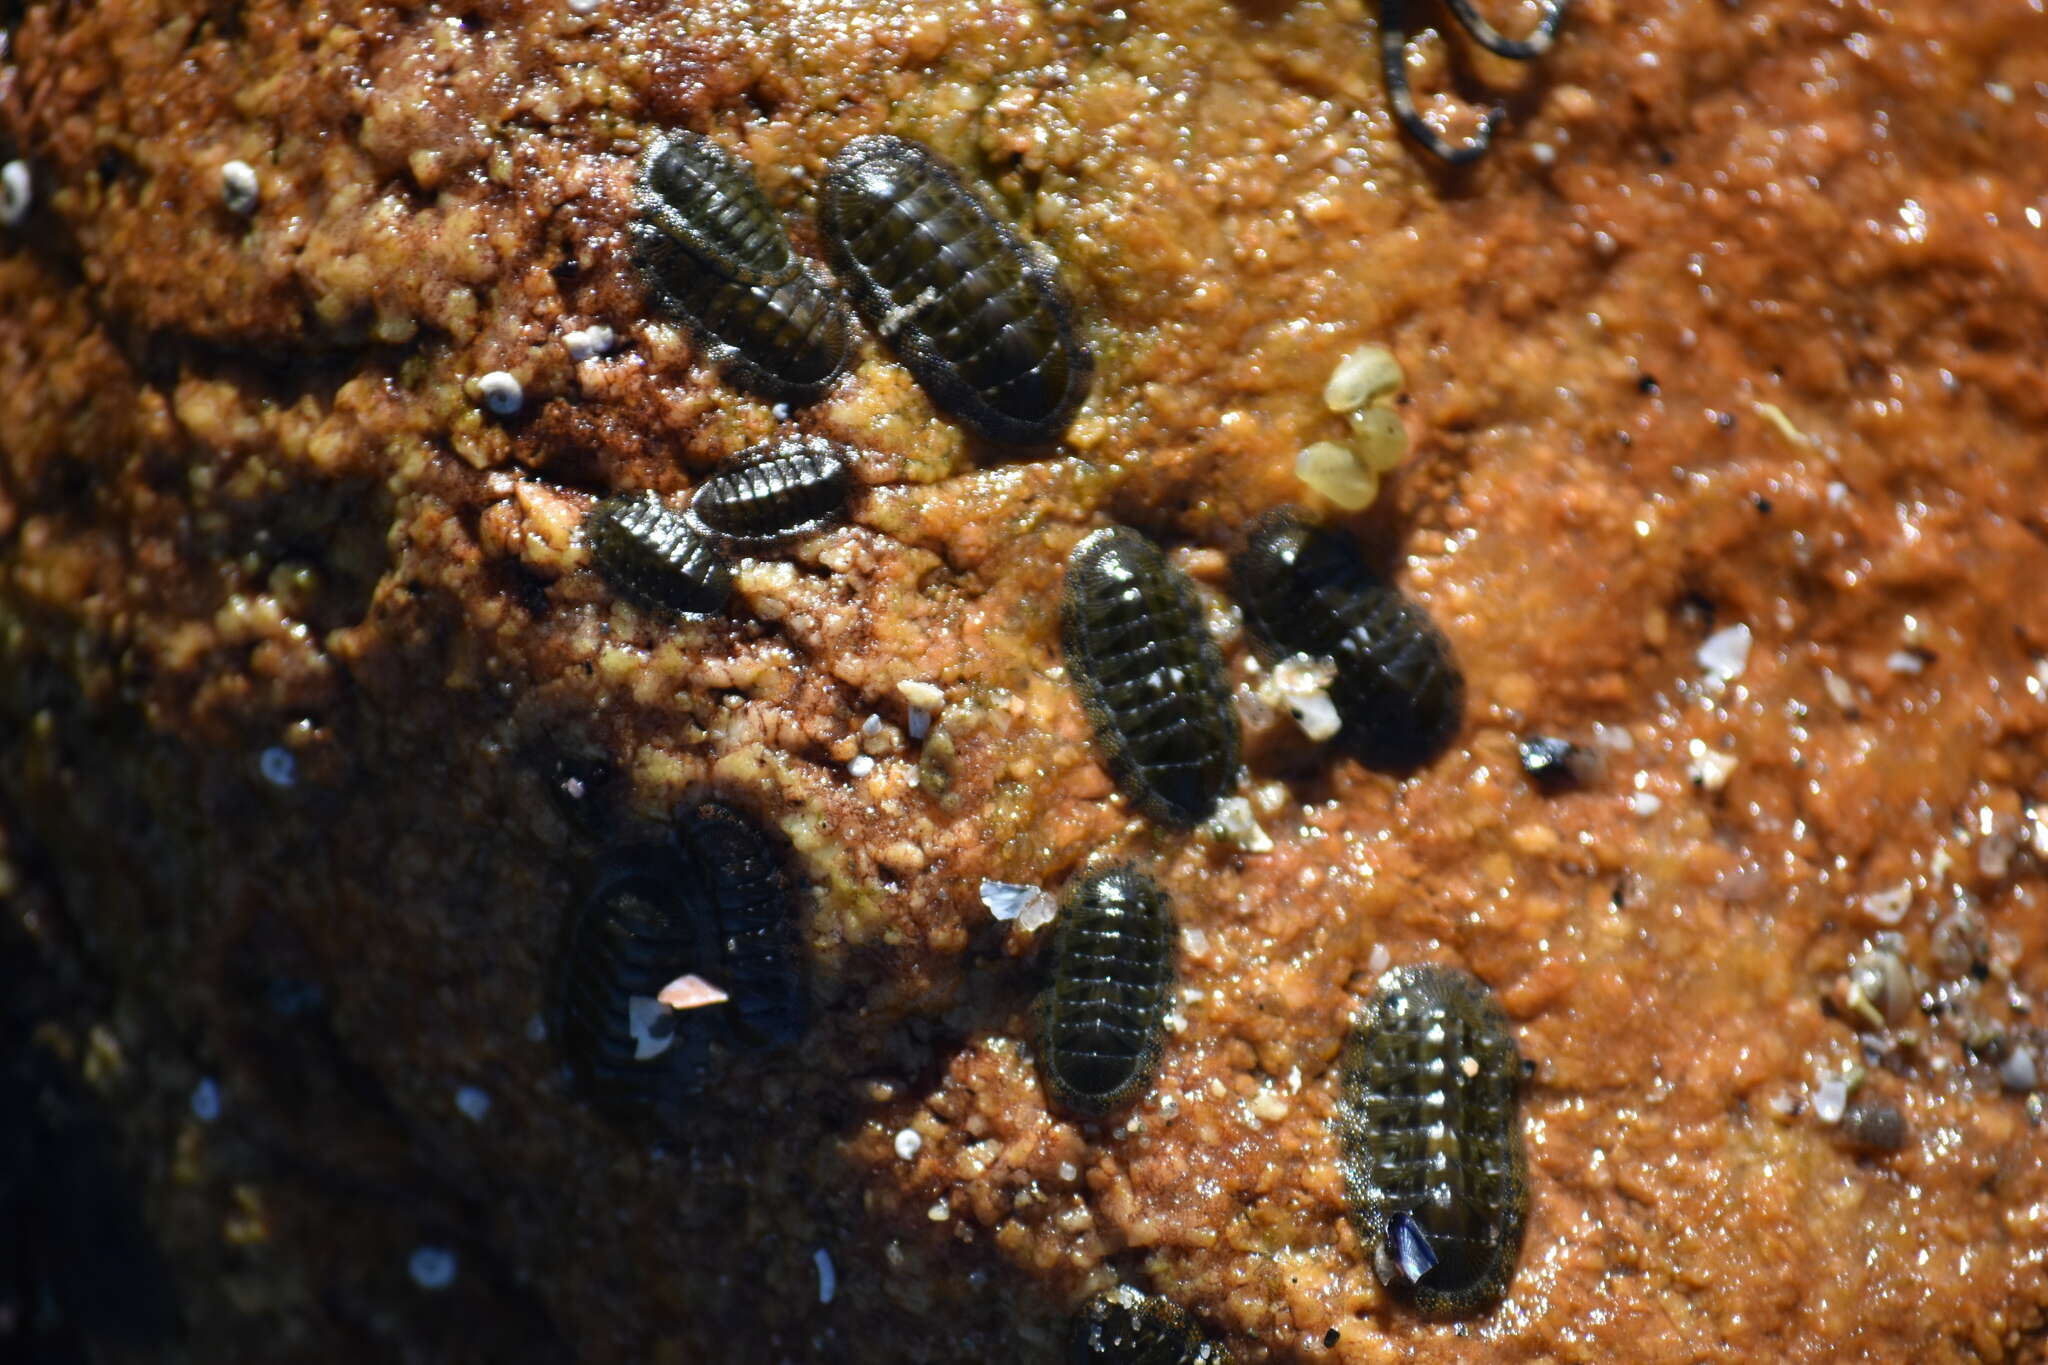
[1820, 208]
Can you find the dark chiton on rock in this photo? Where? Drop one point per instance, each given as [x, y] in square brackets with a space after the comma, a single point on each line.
[1150, 676]
[707, 202]
[711, 253]
[636, 929]
[786, 488]
[1122, 1326]
[1307, 590]
[1112, 966]
[653, 557]
[1431, 1136]
[978, 318]
[740, 869]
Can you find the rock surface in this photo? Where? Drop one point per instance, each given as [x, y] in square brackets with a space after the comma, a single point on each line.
[311, 707]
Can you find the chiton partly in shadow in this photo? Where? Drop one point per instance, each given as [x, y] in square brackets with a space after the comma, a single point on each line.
[1122, 1326]
[1305, 590]
[741, 870]
[1150, 676]
[789, 487]
[1101, 1018]
[635, 930]
[653, 557]
[1431, 1135]
[977, 316]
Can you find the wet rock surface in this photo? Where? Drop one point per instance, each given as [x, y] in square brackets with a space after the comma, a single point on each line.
[311, 702]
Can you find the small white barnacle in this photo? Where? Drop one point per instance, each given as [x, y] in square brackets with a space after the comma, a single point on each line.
[500, 392]
[17, 193]
[239, 189]
[585, 343]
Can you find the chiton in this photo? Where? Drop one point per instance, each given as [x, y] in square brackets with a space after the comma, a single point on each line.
[711, 252]
[740, 870]
[777, 491]
[1304, 590]
[634, 932]
[1430, 1130]
[1112, 966]
[653, 556]
[1123, 1326]
[706, 202]
[978, 318]
[1150, 676]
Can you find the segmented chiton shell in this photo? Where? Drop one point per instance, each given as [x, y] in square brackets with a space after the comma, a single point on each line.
[707, 202]
[1112, 966]
[1306, 590]
[1150, 675]
[653, 556]
[711, 252]
[785, 342]
[1122, 1326]
[778, 491]
[1431, 1136]
[977, 317]
[635, 930]
[740, 870]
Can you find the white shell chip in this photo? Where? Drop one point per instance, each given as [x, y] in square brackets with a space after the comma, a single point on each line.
[1032, 907]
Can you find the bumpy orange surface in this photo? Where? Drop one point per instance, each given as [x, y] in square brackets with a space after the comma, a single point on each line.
[1738, 326]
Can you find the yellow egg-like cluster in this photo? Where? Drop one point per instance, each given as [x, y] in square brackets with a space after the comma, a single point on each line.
[1363, 388]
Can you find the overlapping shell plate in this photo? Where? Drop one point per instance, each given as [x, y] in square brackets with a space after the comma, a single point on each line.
[740, 870]
[1306, 590]
[1101, 1019]
[1431, 1137]
[633, 932]
[1150, 675]
[711, 251]
[1123, 1326]
[777, 491]
[653, 557]
[708, 203]
[977, 317]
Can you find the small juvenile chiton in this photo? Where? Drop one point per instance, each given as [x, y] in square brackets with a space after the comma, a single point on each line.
[712, 252]
[634, 933]
[707, 202]
[1431, 1137]
[1150, 676]
[787, 488]
[978, 318]
[653, 557]
[1112, 966]
[741, 871]
[1398, 692]
[1122, 1326]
